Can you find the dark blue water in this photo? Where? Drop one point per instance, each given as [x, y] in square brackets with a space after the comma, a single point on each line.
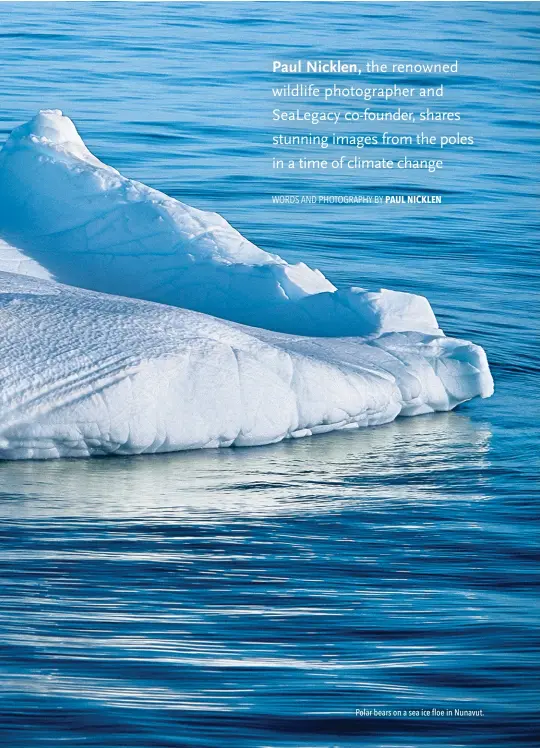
[260, 597]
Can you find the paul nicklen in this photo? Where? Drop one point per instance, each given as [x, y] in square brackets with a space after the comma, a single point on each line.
[316, 66]
[413, 199]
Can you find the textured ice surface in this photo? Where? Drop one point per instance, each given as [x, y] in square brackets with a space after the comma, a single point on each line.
[85, 373]
[87, 225]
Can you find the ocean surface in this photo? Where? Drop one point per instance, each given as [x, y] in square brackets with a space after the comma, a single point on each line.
[259, 597]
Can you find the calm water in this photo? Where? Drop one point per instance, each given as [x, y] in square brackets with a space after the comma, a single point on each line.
[259, 597]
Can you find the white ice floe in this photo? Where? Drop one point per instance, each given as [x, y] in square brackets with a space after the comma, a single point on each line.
[85, 373]
[87, 225]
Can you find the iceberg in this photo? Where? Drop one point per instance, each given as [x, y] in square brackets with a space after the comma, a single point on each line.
[89, 226]
[133, 323]
[85, 373]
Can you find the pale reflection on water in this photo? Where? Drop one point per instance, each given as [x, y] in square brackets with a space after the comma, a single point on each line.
[316, 474]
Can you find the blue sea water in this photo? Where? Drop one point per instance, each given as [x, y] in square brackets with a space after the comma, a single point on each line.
[259, 597]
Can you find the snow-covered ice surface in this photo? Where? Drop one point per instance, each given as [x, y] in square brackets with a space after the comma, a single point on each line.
[91, 227]
[86, 373]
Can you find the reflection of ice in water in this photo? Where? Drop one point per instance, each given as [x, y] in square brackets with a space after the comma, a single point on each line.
[405, 461]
